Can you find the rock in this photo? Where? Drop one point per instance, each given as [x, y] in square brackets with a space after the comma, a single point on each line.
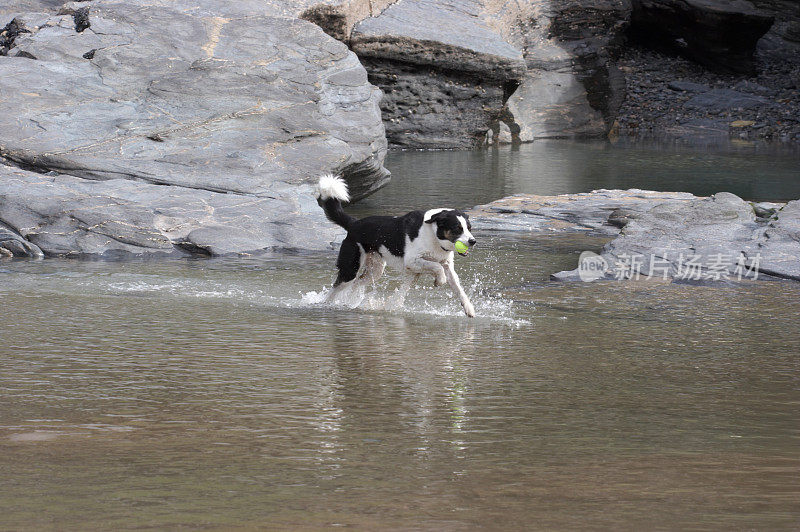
[782, 42]
[12, 244]
[752, 87]
[338, 17]
[720, 34]
[552, 105]
[717, 100]
[779, 248]
[12, 7]
[672, 235]
[230, 102]
[705, 239]
[573, 87]
[67, 215]
[742, 123]
[688, 86]
[600, 211]
[504, 135]
[452, 71]
[766, 209]
[443, 68]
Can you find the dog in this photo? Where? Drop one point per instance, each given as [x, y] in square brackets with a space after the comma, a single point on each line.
[420, 242]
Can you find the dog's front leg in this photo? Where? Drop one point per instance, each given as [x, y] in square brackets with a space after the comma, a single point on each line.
[455, 284]
[432, 267]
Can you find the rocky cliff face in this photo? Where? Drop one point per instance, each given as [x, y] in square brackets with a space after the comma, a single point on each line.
[572, 87]
[148, 126]
[456, 74]
[443, 67]
[454, 71]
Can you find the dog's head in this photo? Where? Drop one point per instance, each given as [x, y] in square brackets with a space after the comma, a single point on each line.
[452, 225]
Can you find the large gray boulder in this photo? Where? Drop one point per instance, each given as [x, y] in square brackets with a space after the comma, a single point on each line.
[453, 71]
[207, 101]
[601, 212]
[706, 239]
[67, 215]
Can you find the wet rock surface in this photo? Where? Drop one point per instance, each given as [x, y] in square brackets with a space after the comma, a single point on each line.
[600, 211]
[714, 239]
[236, 105]
[669, 235]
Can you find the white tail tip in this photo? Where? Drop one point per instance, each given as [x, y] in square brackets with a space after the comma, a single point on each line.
[333, 186]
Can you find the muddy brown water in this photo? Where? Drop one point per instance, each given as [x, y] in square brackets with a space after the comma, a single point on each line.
[219, 394]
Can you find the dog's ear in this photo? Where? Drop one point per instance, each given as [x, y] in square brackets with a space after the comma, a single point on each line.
[434, 218]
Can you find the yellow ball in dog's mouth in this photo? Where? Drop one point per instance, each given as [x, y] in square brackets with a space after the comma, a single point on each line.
[461, 247]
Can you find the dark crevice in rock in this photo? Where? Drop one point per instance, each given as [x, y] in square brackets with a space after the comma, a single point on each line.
[777, 274]
[192, 248]
[80, 16]
[9, 34]
[509, 88]
[604, 84]
[8, 160]
[89, 54]
[719, 34]
[51, 167]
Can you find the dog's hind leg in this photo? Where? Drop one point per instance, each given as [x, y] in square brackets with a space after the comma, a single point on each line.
[348, 263]
[372, 269]
[409, 278]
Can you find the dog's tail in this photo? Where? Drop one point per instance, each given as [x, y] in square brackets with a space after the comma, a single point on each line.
[332, 192]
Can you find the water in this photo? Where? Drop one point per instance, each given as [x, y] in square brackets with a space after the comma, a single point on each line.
[756, 172]
[216, 394]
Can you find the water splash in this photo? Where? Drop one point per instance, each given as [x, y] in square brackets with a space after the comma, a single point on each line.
[276, 289]
[425, 300]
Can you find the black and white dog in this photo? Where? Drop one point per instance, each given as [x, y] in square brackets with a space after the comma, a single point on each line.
[420, 242]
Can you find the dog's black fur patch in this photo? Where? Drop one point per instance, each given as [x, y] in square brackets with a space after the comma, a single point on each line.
[373, 232]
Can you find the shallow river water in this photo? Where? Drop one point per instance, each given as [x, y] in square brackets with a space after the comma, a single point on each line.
[219, 394]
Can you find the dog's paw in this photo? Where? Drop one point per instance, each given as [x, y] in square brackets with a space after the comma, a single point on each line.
[440, 280]
[469, 310]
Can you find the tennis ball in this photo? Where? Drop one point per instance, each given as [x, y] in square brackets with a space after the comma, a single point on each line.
[461, 247]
